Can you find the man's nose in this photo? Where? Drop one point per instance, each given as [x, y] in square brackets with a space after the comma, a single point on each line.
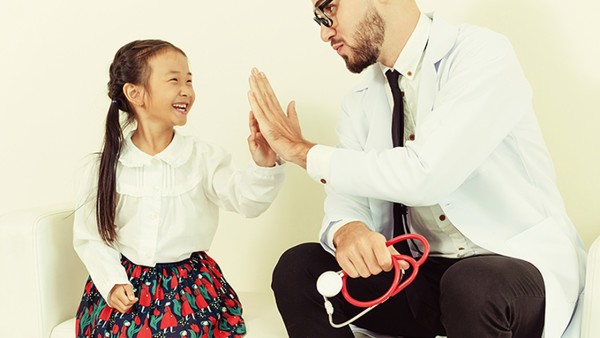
[327, 33]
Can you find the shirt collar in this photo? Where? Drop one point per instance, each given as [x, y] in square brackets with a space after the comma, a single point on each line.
[175, 154]
[411, 54]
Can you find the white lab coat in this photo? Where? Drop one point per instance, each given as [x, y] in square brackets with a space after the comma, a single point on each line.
[478, 153]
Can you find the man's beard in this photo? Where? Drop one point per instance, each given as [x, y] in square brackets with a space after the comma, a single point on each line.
[369, 38]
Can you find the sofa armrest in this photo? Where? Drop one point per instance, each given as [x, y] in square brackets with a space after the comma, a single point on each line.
[41, 271]
[591, 303]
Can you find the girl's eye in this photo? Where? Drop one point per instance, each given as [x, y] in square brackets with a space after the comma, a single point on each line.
[173, 79]
[330, 9]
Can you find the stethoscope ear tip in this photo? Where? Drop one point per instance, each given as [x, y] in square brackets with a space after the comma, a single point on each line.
[329, 283]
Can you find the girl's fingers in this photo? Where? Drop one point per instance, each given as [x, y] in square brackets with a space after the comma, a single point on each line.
[131, 298]
[252, 124]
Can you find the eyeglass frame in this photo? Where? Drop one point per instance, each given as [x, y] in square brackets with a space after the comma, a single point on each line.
[324, 20]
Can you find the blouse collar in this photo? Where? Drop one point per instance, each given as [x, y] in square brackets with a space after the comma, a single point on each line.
[175, 154]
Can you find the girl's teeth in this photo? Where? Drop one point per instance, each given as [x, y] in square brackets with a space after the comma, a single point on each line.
[180, 107]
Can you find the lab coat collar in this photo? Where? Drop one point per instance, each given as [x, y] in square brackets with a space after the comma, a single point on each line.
[411, 54]
[442, 37]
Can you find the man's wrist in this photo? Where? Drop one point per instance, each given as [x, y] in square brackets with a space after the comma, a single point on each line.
[346, 228]
[301, 153]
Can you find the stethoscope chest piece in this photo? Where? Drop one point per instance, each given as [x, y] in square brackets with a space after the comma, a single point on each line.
[329, 283]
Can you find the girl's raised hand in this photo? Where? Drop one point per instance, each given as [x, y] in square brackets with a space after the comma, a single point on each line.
[262, 154]
[280, 129]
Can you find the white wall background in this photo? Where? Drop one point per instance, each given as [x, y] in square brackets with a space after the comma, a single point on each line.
[54, 59]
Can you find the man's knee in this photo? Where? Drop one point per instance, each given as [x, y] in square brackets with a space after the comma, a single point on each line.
[470, 283]
[496, 293]
[294, 265]
[490, 280]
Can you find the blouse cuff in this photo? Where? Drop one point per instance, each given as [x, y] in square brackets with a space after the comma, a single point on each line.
[275, 170]
[106, 285]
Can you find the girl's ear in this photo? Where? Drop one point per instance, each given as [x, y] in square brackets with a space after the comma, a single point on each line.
[134, 94]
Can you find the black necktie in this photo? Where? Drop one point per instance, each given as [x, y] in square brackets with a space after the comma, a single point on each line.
[400, 210]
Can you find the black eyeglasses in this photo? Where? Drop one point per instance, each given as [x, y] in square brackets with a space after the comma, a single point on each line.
[322, 14]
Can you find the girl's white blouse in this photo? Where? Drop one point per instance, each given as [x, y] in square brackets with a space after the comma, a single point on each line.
[168, 205]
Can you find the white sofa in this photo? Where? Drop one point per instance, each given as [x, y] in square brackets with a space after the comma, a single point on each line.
[42, 281]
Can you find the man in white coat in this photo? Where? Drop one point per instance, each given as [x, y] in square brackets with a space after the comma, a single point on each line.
[465, 166]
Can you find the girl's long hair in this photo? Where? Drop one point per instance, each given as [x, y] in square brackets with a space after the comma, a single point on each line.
[130, 65]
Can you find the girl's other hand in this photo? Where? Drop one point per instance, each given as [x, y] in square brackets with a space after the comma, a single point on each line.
[122, 298]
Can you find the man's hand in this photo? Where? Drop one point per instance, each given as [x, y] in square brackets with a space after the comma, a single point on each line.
[363, 252]
[122, 298]
[282, 131]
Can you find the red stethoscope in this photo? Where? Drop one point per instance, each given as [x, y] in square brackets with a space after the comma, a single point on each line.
[330, 283]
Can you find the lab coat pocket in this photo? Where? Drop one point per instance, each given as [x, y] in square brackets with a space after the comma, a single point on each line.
[542, 239]
[546, 247]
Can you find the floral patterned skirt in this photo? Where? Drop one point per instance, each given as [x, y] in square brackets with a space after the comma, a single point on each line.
[188, 299]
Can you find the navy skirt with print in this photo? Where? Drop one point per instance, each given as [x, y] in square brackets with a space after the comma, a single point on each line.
[188, 299]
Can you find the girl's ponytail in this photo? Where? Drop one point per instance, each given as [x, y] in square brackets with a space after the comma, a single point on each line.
[106, 202]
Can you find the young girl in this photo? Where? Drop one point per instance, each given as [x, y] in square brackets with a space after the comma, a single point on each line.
[151, 207]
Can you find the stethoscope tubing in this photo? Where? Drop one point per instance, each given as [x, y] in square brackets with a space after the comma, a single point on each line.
[396, 285]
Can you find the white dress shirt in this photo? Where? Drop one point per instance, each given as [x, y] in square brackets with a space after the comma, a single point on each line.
[168, 205]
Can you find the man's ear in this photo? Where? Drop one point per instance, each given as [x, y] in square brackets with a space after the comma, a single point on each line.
[134, 94]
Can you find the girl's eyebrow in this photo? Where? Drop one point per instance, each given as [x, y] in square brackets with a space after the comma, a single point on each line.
[177, 72]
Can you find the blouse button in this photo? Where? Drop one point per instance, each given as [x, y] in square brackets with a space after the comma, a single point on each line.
[442, 217]
[324, 181]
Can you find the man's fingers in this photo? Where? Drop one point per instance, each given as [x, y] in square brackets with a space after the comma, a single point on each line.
[362, 267]
[354, 265]
[265, 96]
[257, 88]
[404, 265]
[348, 268]
[293, 115]
[256, 108]
[268, 90]
[383, 257]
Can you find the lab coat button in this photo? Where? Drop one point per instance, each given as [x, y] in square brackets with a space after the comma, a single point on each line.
[411, 137]
[442, 217]
[324, 181]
